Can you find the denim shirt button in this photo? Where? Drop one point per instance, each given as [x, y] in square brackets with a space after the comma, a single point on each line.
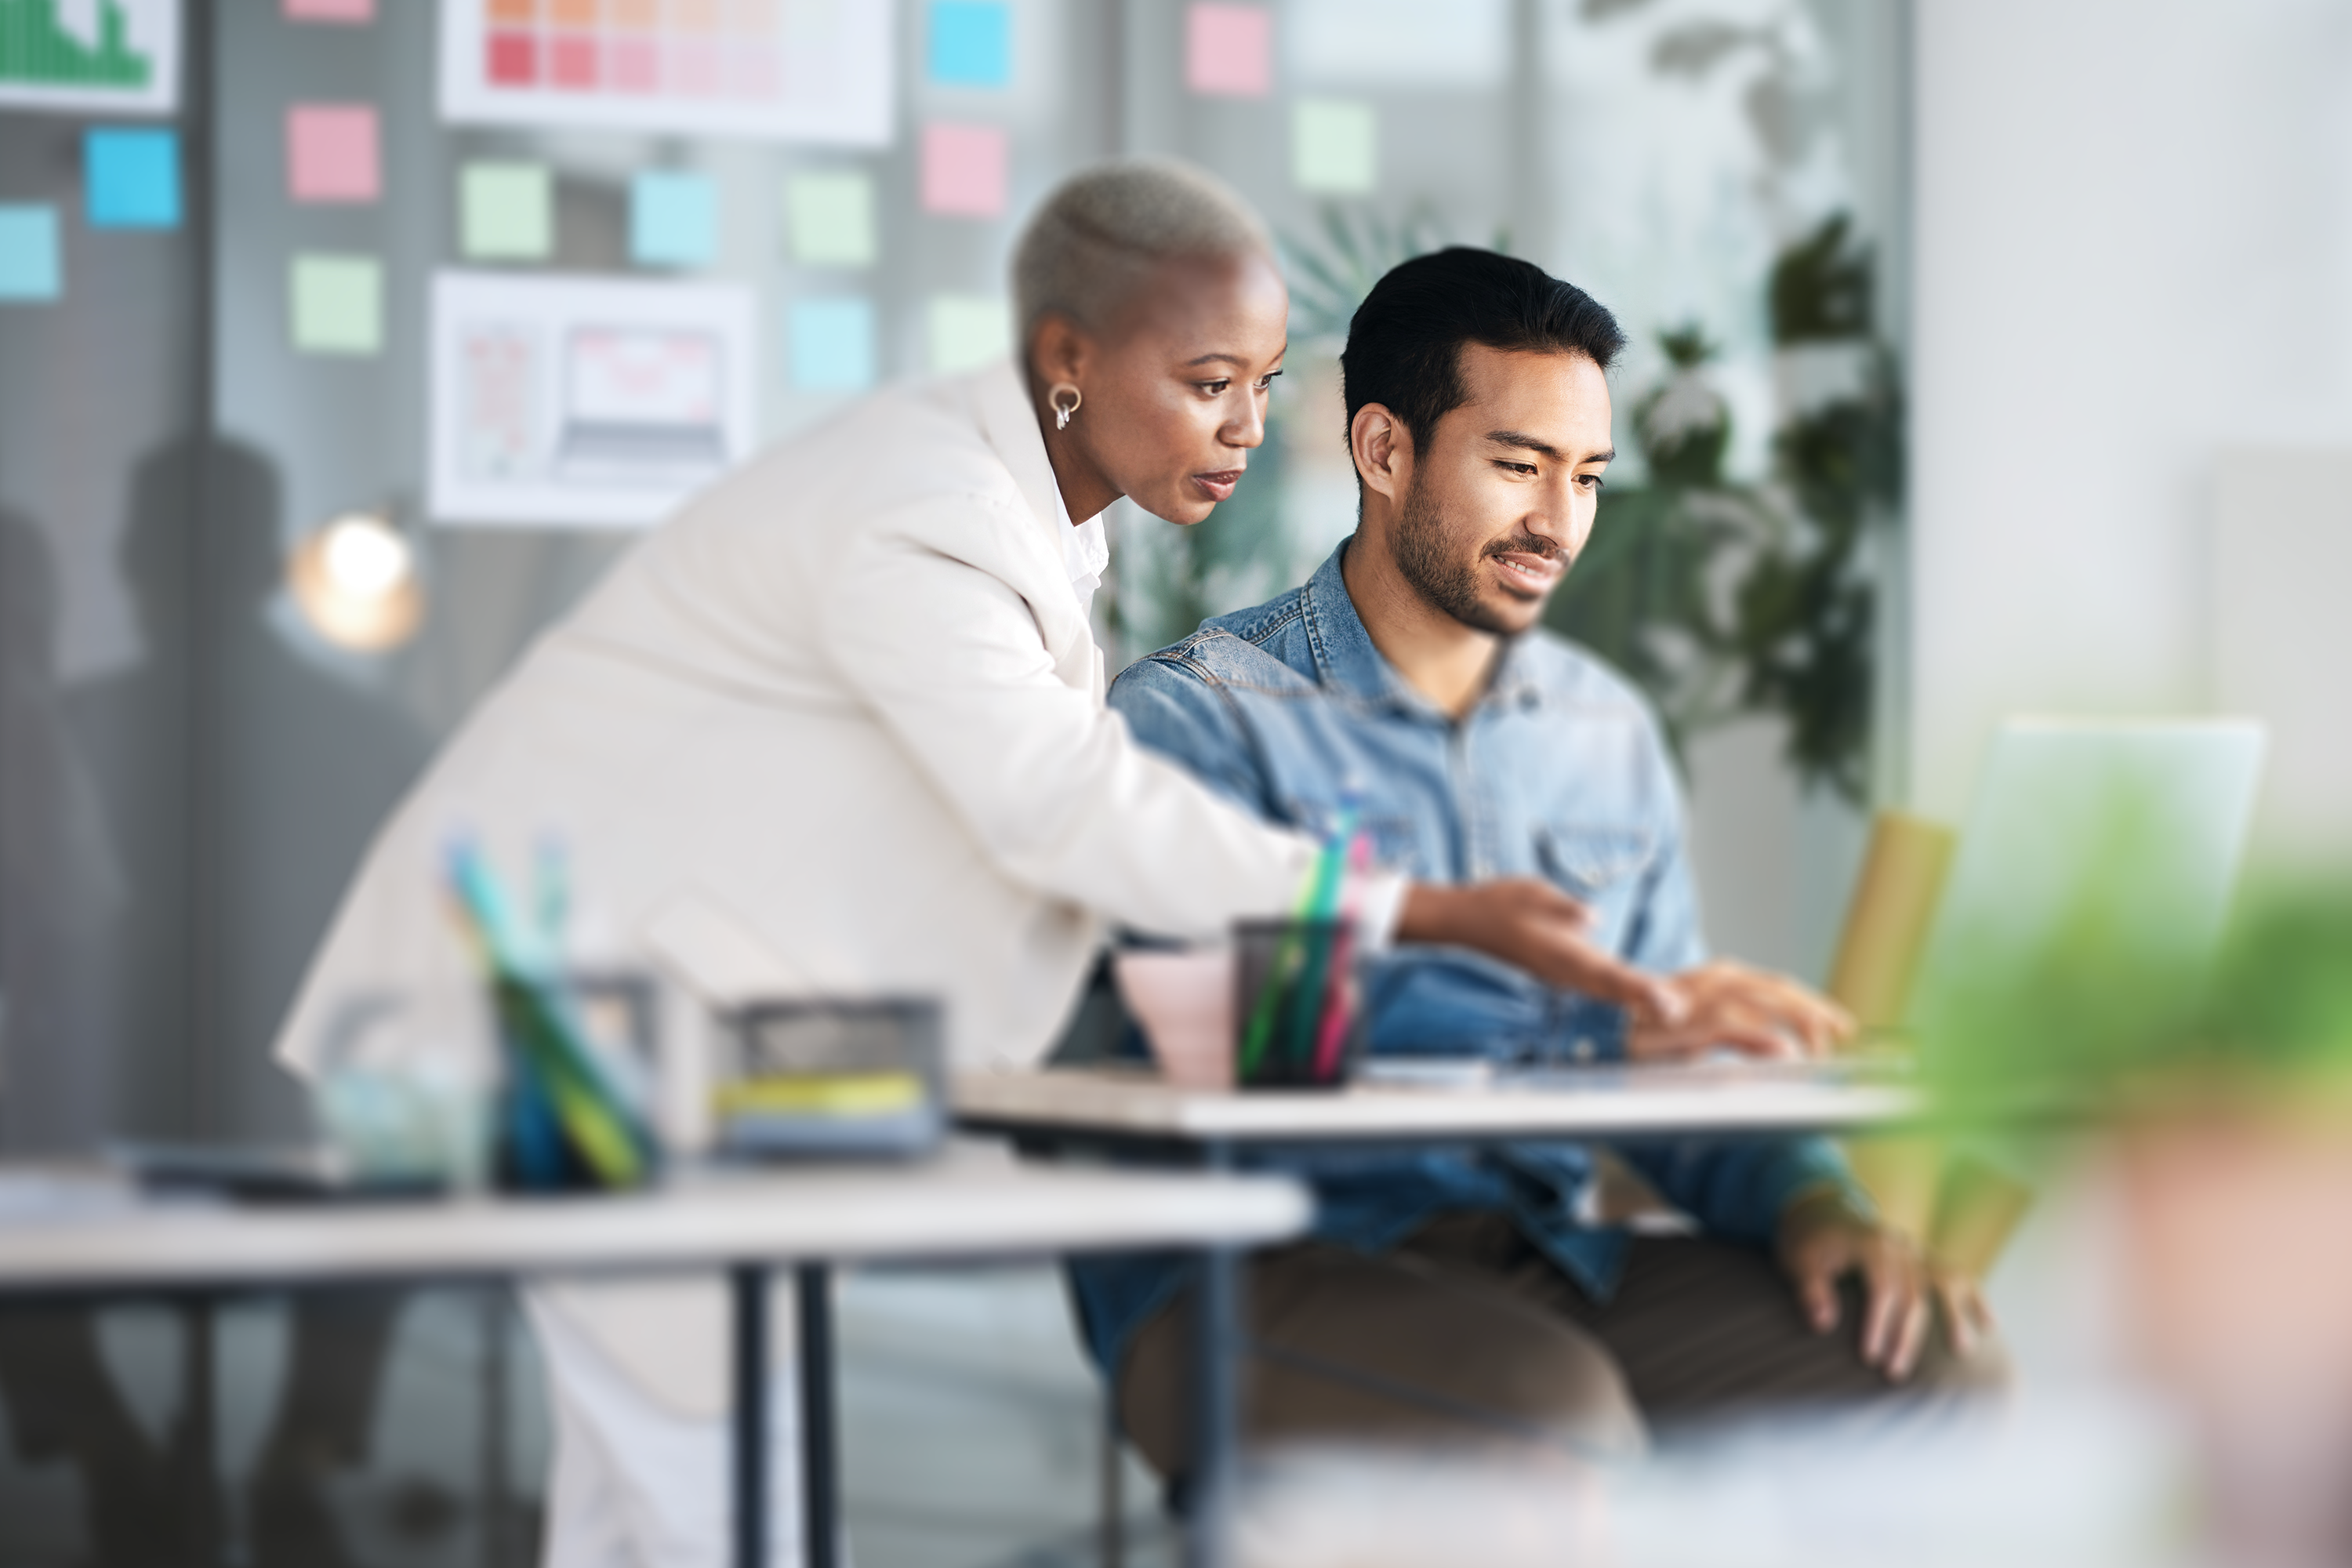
[1584, 1050]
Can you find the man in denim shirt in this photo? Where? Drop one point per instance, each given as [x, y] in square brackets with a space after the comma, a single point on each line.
[1444, 1295]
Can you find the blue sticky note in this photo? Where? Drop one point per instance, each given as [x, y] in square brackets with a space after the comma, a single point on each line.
[972, 43]
[29, 267]
[831, 344]
[673, 220]
[131, 179]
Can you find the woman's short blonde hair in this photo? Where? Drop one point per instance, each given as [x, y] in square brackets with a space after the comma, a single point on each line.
[1105, 229]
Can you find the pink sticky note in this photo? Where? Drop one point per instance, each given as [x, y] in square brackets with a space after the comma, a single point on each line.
[331, 152]
[1228, 51]
[964, 170]
[330, 10]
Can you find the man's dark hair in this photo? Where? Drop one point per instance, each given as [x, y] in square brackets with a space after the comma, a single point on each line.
[1404, 346]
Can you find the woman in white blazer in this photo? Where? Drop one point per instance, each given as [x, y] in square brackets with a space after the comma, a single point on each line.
[846, 706]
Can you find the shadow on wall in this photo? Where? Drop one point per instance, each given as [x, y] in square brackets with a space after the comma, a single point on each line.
[61, 886]
[290, 768]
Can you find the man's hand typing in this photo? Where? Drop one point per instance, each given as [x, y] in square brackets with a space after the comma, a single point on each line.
[1730, 1007]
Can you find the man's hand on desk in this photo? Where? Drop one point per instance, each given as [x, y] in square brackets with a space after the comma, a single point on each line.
[1729, 1007]
[1528, 922]
[1823, 1237]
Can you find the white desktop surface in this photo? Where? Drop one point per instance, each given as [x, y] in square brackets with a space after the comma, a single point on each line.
[1611, 1102]
[947, 1209]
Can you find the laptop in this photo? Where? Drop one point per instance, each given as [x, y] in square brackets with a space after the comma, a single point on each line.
[2088, 893]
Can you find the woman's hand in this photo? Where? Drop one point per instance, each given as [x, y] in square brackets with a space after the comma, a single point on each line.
[1529, 923]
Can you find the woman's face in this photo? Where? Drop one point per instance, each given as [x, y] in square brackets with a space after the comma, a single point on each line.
[1175, 384]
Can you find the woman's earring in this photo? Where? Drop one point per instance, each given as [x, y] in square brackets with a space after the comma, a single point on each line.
[1062, 411]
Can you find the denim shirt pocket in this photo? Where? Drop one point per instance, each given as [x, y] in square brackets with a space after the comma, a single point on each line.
[1591, 863]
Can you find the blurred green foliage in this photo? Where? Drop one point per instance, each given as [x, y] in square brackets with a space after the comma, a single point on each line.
[1721, 597]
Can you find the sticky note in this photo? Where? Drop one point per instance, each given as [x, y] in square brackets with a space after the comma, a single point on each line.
[330, 10]
[1333, 144]
[964, 170]
[506, 212]
[972, 43]
[29, 266]
[968, 331]
[832, 219]
[1228, 51]
[335, 304]
[831, 344]
[131, 178]
[332, 153]
[673, 220]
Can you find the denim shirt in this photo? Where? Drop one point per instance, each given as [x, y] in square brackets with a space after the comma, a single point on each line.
[1558, 772]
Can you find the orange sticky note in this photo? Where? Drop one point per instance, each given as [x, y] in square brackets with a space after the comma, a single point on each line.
[332, 153]
[1228, 51]
[964, 170]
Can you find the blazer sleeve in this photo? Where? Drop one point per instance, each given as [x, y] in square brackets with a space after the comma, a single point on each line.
[1056, 793]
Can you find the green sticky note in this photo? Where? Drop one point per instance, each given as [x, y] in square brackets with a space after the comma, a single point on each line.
[336, 304]
[1334, 145]
[832, 219]
[506, 212]
[968, 331]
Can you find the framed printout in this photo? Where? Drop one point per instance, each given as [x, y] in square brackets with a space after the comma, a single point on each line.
[586, 402]
[778, 71]
[85, 56]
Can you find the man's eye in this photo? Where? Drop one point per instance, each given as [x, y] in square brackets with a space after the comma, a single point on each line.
[1589, 481]
[1517, 467]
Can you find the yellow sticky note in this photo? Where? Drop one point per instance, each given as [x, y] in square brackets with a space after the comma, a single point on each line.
[506, 212]
[335, 304]
[968, 331]
[832, 219]
[1334, 146]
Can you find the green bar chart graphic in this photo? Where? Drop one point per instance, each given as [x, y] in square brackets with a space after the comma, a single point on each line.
[36, 47]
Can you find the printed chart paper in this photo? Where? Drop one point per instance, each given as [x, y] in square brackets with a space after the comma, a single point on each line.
[343, 11]
[586, 402]
[778, 71]
[106, 56]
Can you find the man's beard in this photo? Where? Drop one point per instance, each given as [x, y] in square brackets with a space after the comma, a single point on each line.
[1444, 581]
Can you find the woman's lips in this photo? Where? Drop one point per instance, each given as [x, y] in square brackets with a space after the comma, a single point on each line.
[1219, 484]
[1536, 573]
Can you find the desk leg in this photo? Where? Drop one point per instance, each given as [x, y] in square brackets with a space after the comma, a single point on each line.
[1217, 1402]
[751, 1480]
[1215, 1407]
[820, 1469]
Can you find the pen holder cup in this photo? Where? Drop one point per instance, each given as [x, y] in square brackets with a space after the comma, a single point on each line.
[1297, 1005]
[1184, 1004]
[835, 1076]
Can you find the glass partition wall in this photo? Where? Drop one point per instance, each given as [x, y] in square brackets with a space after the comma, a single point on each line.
[283, 490]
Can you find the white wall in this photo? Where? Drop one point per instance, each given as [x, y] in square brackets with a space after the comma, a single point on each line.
[2132, 236]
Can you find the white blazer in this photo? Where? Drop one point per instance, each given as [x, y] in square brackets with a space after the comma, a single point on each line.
[848, 699]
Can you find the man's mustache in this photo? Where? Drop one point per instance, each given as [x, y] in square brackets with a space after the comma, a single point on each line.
[1524, 544]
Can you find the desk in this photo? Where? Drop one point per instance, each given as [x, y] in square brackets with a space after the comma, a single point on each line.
[1133, 1109]
[742, 1222]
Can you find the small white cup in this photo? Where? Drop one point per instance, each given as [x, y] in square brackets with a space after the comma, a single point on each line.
[1184, 1002]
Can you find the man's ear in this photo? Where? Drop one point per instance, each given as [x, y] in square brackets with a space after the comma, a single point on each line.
[1383, 450]
[1059, 350]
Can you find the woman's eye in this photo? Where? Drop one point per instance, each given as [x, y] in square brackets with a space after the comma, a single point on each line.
[1265, 382]
[1214, 388]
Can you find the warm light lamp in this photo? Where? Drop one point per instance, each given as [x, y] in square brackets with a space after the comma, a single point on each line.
[355, 582]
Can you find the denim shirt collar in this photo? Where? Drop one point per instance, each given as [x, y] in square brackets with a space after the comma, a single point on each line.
[1346, 659]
